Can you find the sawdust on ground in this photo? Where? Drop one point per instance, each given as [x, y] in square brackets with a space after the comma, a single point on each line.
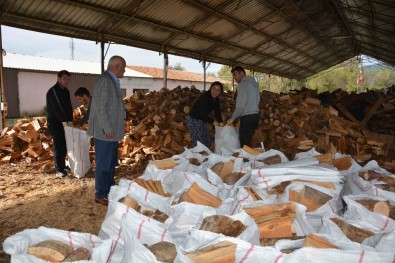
[30, 198]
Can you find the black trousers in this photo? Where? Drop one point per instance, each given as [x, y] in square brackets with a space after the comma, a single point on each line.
[59, 144]
[248, 125]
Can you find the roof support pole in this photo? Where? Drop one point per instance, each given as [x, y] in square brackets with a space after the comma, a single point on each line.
[268, 82]
[102, 55]
[165, 66]
[3, 102]
[204, 74]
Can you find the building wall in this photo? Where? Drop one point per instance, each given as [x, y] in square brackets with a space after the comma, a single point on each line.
[10, 80]
[33, 86]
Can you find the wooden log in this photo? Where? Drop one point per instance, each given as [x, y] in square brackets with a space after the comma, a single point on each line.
[51, 250]
[379, 207]
[223, 225]
[130, 202]
[164, 164]
[164, 251]
[252, 193]
[317, 242]
[80, 253]
[352, 232]
[252, 150]
[274, 220]
[223, 252]
[312, 198]
[328, 185]
[197, 195]
[342, 163]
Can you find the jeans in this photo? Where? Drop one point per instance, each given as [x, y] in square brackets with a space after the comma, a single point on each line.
[248, 125]
[106, 156]
[59, 144]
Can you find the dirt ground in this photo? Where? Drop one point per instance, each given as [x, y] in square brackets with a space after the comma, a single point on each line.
[30, 199]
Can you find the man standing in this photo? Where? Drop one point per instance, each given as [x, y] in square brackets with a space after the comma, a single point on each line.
[247, 105]
[84, 97]
[59, 113]
[107, 125]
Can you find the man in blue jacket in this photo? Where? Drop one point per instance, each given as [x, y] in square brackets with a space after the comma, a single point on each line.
[247, 105]
[107, 125]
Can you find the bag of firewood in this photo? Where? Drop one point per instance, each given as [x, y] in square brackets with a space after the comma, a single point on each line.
[77, 142]
[54, 245]
[227, 138]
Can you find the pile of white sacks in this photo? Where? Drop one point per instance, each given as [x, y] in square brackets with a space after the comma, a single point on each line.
[124, 231]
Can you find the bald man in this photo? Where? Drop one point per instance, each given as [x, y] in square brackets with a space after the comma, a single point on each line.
[107, 125]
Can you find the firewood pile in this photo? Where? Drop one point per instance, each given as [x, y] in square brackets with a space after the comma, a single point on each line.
[291, 123]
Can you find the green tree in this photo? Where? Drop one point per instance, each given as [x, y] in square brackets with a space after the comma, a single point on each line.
[177, 66]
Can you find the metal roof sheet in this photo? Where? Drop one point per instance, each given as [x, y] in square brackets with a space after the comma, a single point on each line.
[289, 38]
[19, 61]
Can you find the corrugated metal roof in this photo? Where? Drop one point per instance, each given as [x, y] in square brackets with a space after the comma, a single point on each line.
[289, 38]
[19, 61]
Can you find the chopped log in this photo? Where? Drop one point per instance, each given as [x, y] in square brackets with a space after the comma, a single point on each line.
[51, 250]
[130, 202]
[80, 253]
[223, 170]
[157, 215]
[197, 195]
[379, 207]
[222, 252]
[343, 163]
[252, 193]
[164, 164]
[252, 150]
[233, 178]
[278, 189]
[223, 225]
[312, 198]
[274, 221]
[272, 159]
[164, 251]
[328, 185]
[352, 232]
[317, 242]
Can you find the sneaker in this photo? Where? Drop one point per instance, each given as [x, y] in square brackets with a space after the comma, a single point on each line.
[61, 174]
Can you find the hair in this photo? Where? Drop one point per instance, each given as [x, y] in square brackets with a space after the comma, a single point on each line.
[81, 91]
[62, 73]
[217, 83]
[114, 60]
[238, 69]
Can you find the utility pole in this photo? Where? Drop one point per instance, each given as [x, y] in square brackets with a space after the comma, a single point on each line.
[72, 48]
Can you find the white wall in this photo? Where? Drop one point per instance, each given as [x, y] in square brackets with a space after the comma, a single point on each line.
[33, 88]
[130, 83]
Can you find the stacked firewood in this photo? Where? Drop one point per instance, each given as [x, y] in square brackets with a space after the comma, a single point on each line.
[156, 126]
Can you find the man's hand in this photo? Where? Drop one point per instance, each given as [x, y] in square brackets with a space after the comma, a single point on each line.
[215, 123]
[110, 135]
[230, 122]
[221, 124]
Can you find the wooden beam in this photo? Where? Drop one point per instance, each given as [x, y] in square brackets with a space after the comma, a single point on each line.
[343, 109]
[371, 111]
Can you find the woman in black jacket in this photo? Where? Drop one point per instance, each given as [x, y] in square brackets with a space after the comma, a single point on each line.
[199, 115]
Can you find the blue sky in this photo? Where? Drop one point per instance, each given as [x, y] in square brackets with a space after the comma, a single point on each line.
[26, 42]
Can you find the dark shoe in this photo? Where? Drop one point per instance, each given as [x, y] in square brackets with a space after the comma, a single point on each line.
[67, 169]
[102, 201]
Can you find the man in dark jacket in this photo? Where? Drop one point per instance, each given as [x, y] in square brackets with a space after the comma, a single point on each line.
[59, 113]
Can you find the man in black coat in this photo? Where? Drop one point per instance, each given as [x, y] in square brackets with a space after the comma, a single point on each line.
[59, 113]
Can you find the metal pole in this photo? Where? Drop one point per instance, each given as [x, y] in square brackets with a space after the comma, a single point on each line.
[165, 65]
[102, 55]
[3, 102]
[204, 75]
